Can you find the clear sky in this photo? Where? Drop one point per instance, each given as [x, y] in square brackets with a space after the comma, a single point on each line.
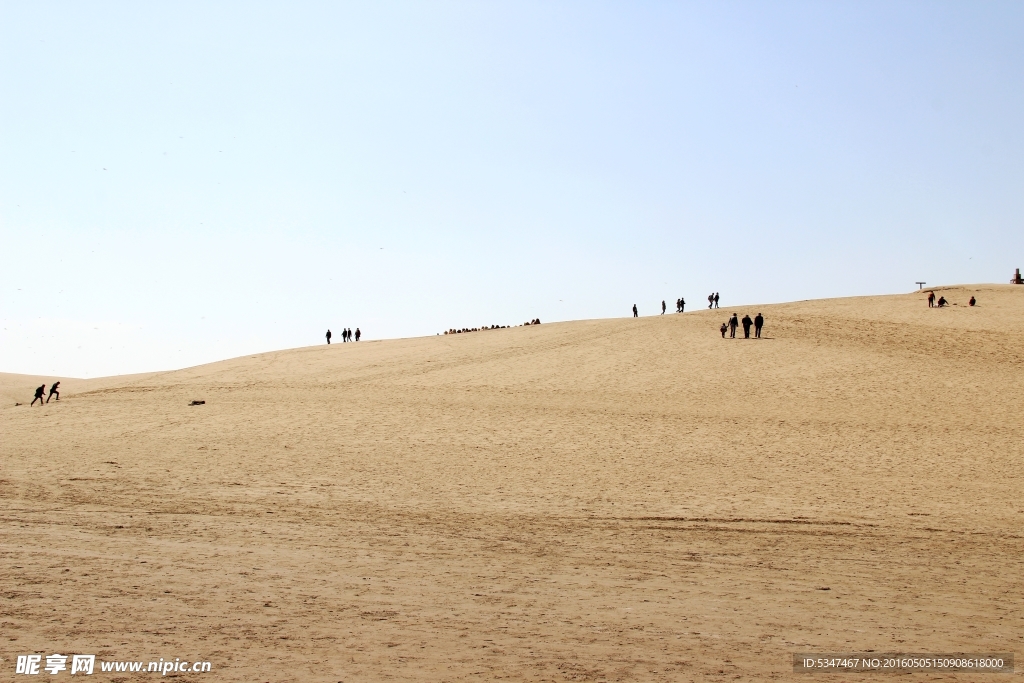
[181, 183]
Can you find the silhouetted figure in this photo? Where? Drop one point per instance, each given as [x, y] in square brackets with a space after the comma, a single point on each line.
[663, 307]
[54, 392]
[931, 299]
[328, 336]
[682, 305]
[39, 395]
[716, 299]
[758, 324]
[972, 301]
[747, 322]
[942, 301]
[358, 334]
[723, 328]
[635, 314]
[677, 305]
[346, 335]
[733, 324]
[711, 300]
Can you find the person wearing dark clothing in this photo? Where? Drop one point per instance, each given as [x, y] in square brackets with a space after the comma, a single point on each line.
[54, 392]
[39, 395]
[942, 301]
[972, 301]
[358, 334]
[682, 305]
[931, 299]
[733, 324]
[711, 300]
[328, 336]
[677, 306]
[346, 335]
[663, 307]
[723, 328]
[634, 312]
[747, 322]
[758, 324]
[716, 299]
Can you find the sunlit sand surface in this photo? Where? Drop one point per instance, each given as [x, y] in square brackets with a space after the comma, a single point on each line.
[610, 500]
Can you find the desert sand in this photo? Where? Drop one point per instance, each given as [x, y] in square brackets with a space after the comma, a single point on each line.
[605, 500]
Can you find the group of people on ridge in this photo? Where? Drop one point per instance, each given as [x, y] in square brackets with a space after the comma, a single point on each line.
[680, 305]
[942, 303]
[535, 321]
[733, 322]
[346, 335]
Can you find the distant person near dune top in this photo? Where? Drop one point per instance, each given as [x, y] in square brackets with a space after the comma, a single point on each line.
[663, 307]
[931, 299]
[358, 334]
[733, 324]
[747, 322]
[972, 301]
[39, 395]
[54, 392]
[716, 299]
[635, 315]
[328, 336]
[758, 324]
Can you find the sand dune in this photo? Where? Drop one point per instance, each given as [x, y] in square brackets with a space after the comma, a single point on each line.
[628, 499]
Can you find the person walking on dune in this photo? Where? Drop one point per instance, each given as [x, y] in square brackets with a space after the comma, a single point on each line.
[747, 322]
[39, 395]
[716, 299]
[328, 337]
[682, 305]
[723, 329]
[663, 307]
[358, 334]
[931, 299]
[54, 392]
[635, 315]
[758, 324]
[733, 324]
[711, 300]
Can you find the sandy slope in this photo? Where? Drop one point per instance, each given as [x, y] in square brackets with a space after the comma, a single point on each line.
[597, 500]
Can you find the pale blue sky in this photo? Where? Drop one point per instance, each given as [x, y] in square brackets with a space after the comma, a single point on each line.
[181, 183]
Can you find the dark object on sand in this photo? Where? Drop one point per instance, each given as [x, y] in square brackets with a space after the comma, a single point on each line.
[197, 403]
[1017, 278]
[972, 301]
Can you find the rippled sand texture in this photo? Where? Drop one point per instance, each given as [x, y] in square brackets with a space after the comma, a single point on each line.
[608, 500]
